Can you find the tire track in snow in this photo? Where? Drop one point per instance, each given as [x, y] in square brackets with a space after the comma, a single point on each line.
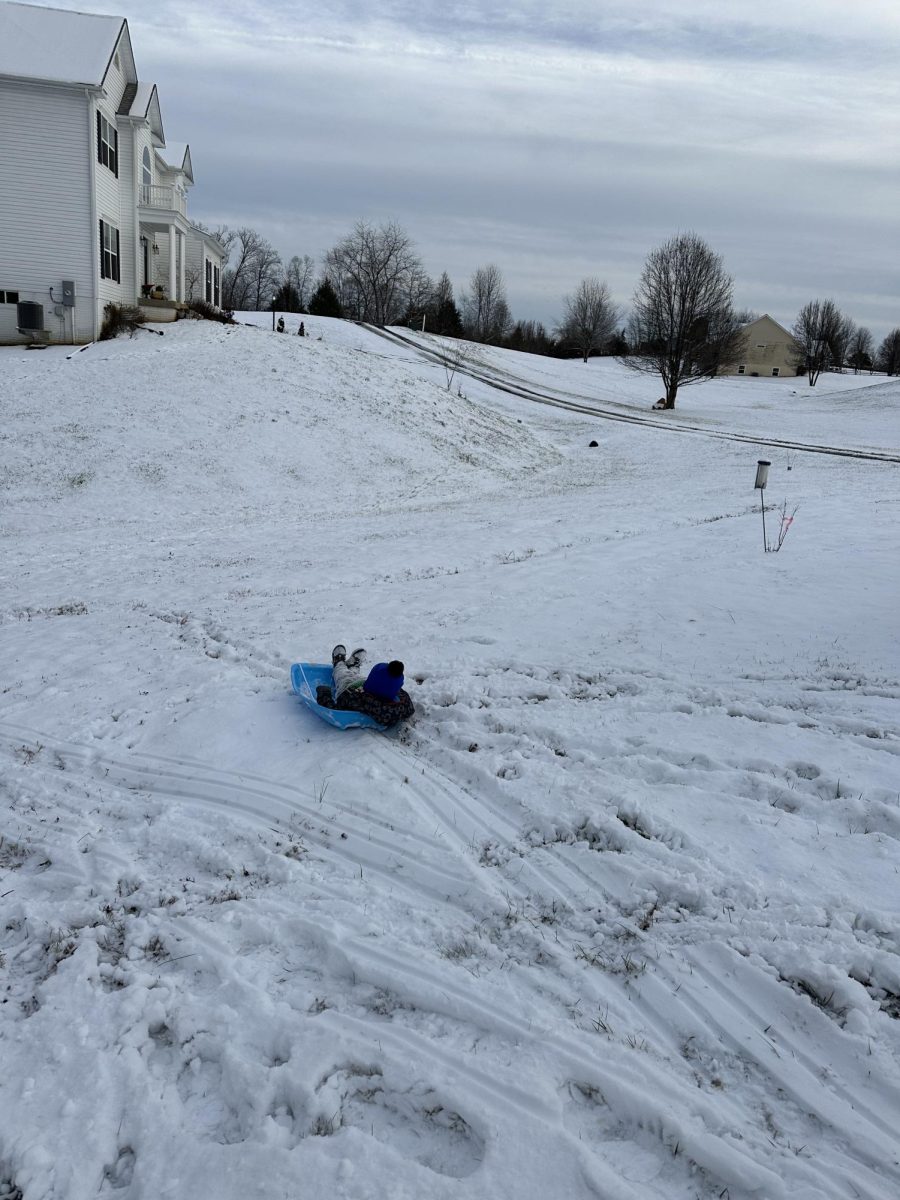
[493, 379]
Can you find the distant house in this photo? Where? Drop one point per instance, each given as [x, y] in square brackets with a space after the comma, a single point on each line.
[93, 200]
[767, 349]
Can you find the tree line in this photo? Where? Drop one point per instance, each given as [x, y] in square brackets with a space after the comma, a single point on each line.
[682, 324]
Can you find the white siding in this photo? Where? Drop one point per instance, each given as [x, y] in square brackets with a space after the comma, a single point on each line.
[128, 228]
[198, 254]
[110, 193]
[114, 81]
[45, 228]
[195, 288]
[159, 263]
[116, 196]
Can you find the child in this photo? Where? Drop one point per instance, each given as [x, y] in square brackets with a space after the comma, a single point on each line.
[379, 693]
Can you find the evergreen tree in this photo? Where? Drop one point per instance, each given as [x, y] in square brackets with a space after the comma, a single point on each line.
[324, 302]
[287, 298]
[442, 315]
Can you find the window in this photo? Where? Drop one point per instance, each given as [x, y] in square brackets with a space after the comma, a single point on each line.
[107, 144]
[213, 280]
[9, 297]
[741, 369]
[109, 252]
[774, 370]
[146, 171]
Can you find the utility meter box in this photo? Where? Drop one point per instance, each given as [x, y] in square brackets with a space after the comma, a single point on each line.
[68, 290]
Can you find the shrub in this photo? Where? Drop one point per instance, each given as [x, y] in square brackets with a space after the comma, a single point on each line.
[117, 318]
[209, 312]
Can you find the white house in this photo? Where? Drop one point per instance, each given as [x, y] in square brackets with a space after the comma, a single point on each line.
[93, 200]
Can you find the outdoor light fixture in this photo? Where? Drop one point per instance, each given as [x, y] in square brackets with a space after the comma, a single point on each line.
[762, 478]
[155, 248]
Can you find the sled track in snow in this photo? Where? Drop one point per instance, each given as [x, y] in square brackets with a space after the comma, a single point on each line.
[624, 1092]
[606, 414]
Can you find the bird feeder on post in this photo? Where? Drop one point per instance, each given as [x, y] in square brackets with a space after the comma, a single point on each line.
[762, 478]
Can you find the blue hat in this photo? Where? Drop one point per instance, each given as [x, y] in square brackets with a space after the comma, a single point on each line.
[385, 680]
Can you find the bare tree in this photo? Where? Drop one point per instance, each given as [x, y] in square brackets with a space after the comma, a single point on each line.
[192, 280]
[299, 275]
[456, 356]
[817, 332]
[419, 290]
[683, 326]
[889, 353]
[860, 349]
[839, 344]
[530, 337]
[253, 274]
[371, 271]
[590, 317]
[485, 312]
[266, 273]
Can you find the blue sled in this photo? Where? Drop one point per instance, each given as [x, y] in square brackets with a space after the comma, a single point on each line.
[306, 677]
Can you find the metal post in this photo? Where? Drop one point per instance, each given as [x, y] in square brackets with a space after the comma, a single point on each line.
[762, 478]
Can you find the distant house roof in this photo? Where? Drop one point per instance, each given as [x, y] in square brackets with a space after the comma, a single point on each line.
[56, 45]
[765, 317]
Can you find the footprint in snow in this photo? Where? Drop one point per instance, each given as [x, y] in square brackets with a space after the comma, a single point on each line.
[121, 1172]
[413, 1120]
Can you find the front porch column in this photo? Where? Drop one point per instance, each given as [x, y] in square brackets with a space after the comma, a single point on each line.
[173, 279]
[138, 266]
[182, 248]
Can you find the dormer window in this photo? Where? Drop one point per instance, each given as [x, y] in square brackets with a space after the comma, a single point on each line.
[107, 144]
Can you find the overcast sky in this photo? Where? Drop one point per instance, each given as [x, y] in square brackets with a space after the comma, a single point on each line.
[558, 139]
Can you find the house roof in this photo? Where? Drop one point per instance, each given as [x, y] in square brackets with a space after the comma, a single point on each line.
[57, 45]
[209, 238]
[177, 155]
[143, 102]
[765, 317]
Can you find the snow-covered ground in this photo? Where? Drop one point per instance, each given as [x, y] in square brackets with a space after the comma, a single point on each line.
[616, 915]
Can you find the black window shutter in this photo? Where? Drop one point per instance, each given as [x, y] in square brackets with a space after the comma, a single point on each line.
[116, 152]
[99, 137]
[102, 275]
[118, 261]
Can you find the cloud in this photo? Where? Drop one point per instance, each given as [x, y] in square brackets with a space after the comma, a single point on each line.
[557, 139]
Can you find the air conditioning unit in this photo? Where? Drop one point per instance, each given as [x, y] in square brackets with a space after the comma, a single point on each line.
[29, 317]
[30, 321]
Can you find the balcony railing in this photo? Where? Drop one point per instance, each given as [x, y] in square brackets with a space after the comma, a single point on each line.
[169, 198]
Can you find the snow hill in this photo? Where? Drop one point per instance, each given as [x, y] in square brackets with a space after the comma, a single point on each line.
[616, 915]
